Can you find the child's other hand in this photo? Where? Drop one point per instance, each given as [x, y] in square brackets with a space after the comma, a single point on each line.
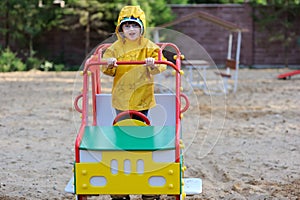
[150, 62]
[112, 62]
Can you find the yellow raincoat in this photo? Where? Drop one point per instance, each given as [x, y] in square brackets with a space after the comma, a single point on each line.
[133, 86]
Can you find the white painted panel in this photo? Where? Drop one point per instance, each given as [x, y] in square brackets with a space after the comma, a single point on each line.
[192, 186]
[70, 186]
[105, 112]
[163, 114]
[163, 156]
[90, 156]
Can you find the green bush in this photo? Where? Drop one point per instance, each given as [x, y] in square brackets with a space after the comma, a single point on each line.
[47, 65]
[9, 62]
[33, 63]
[50, 66]
[59, 67]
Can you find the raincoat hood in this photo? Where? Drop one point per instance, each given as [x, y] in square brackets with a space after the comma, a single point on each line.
[131, 13]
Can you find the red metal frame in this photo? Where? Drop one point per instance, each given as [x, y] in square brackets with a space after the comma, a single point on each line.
[92, 69]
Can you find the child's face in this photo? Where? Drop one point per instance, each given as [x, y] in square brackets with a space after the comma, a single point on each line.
[131, 30]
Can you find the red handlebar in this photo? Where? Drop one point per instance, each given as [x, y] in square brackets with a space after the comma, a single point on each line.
[91, 63]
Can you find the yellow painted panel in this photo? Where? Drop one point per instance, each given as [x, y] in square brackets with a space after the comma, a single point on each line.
[127, 183]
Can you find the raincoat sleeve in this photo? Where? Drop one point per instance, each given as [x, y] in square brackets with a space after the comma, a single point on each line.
[111, 71]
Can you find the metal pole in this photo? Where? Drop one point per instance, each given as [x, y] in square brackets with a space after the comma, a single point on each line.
[237, 58]
[229, 46]
[225, 79]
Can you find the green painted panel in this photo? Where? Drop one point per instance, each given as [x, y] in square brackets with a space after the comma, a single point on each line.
[128, 138]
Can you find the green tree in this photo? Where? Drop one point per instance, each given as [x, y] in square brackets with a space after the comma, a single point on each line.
[277, 18]
[92, 15]
[101, 16]
[8, 24]
[215, 1]
[157, 11]
[26, 20]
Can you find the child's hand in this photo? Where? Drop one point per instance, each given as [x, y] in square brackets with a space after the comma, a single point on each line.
[112, 62]
[150, 62]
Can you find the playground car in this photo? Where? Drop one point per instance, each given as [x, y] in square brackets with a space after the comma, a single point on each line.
[115, 156]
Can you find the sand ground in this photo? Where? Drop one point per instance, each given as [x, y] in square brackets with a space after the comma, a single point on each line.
[244, 145]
